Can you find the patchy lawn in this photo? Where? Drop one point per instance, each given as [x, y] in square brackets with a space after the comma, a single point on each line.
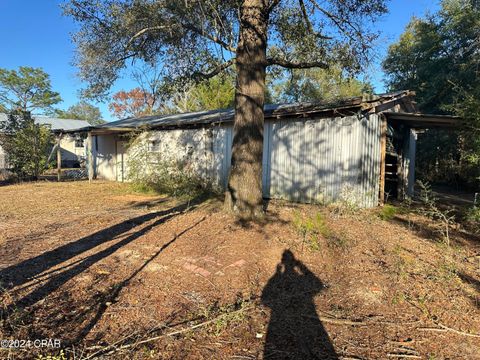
[115, 274]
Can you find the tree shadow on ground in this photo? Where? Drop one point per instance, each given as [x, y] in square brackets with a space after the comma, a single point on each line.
[295, 330]
[48, 277]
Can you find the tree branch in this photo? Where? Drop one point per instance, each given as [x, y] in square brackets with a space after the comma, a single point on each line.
[210, 37]
[305, 16]
[217, 70]
[297, 64]
[143, 31]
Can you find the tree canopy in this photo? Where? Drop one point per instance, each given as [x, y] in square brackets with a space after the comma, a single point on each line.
[28, 89]
[82, 111]
[438, 57]
[317, 85]
[198, 39]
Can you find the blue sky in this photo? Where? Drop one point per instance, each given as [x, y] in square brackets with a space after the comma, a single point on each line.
[34, 33]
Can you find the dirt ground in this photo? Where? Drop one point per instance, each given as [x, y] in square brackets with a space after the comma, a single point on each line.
[116, 274]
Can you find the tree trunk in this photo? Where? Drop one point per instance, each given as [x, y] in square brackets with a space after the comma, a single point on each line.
[244, 192]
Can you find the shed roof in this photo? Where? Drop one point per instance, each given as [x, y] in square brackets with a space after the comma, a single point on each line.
[56, 124]
[423, 121]
[271, 111]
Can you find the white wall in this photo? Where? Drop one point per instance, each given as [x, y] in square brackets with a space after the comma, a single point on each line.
[104, 156]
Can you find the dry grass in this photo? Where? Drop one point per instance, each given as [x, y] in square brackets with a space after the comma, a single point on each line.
[103, 268]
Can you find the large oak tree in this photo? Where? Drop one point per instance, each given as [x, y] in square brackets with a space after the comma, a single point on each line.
[198, 39]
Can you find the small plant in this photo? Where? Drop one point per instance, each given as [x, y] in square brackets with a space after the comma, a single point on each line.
[473, 215]
[348, 201]
[444, 218]
[60, 356]
[388, 212]
[310, 228]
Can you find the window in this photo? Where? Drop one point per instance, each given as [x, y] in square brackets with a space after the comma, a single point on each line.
[79, 143]
[154, 146]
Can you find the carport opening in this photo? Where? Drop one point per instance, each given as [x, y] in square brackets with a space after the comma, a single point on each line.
[397, 178]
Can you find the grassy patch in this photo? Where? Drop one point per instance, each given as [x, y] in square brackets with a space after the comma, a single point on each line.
[310, 228]
[388, 212]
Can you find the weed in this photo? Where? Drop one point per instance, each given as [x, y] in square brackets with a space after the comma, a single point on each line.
[399, 298]
[60, 356]
[443, 272]
[473, 214]
[388, 212]
[310, 228]
[444, 218]
[155, 172]
[348, 202]
[224, 315]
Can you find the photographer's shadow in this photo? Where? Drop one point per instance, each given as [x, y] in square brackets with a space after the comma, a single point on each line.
[295, 330]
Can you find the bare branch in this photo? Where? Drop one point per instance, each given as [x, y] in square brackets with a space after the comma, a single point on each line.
[143, 31]
[210, 37]
[297, 64]
[217, 70]
[305, 17]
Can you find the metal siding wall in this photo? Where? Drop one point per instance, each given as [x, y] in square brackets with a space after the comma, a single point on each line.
[222, 154]
[317, 160]
[324, 159]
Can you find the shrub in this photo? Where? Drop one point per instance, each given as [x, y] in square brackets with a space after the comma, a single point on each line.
[157, 172]
[26, 144]
[310, 228]
[443, 217]
[473, 214]
[388, 212]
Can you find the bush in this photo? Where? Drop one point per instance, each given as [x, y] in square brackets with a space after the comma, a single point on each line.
[473, 214]
[388, 212]
[26, 144]
[154, 172]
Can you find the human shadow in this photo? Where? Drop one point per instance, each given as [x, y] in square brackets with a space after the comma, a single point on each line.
[295, 330]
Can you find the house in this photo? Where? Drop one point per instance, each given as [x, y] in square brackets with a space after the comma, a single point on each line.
[72, 145]
[360, 148]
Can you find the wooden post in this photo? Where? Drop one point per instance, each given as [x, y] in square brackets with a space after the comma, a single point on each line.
[90, 156]
[383, 153]
[59, 158]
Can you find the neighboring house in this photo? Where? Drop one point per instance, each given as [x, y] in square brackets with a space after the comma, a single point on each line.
[72, 145]
[360, 148]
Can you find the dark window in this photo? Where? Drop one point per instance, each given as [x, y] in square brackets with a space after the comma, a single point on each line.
[78, 143]
[154, 146]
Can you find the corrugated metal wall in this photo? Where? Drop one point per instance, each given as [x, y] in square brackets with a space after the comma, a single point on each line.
[317, 160]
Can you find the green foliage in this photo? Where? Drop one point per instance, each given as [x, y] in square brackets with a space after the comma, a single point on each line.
[215, 93]
[26, 144]
[473, 214]
[153, 172]
[316, 85]
[438, 58]
[26, 89]
[197, 39]
[310, 228]
[388, 212]
[82, 111]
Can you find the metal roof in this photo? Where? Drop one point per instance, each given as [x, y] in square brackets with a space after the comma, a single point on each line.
[61, 124]
[56, 124]
[270, 111]
[424, 121]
